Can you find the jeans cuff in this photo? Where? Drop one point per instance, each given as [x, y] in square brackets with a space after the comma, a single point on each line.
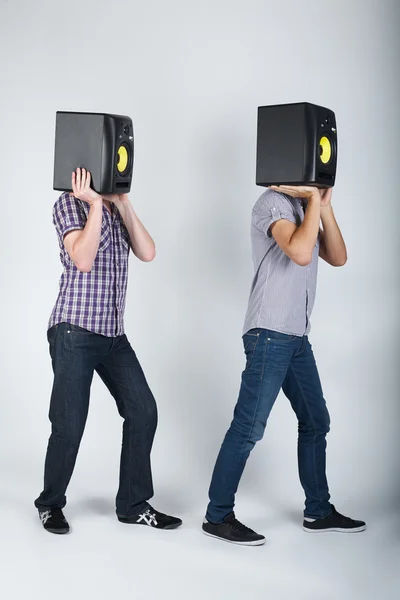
[138, 509]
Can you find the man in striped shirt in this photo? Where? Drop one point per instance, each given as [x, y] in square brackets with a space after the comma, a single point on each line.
[287, 242]
[86, 334]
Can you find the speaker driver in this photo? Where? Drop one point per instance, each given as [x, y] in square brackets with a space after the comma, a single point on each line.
[123, 159]
[325, 150]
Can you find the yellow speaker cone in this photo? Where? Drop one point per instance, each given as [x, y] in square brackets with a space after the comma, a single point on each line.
[325, 149]
[123, 158]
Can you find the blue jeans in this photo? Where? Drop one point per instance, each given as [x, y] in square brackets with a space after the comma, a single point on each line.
[76, 354]
[275, 361]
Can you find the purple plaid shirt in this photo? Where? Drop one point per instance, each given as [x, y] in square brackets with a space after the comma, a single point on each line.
[94, 300]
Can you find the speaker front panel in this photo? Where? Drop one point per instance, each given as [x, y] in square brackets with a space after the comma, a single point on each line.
[326, 148]
[124, 154]
[117, 154]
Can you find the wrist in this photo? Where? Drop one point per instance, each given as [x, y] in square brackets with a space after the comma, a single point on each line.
[315, 196]
[97, 204]
[123, 203]
[314, 199]
[327, 213]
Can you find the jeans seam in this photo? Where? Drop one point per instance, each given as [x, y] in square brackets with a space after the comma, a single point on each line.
[313, 424]
[302, 347]
[250, 359]
[130, 449]
[247, 438]
[258, 398]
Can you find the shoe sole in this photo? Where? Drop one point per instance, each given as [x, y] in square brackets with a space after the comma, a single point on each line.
[336, 529]
[168, 527]
[58, 531]
[255, 543]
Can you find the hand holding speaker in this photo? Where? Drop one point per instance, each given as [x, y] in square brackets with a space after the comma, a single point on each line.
[81, 187]
[297, 191]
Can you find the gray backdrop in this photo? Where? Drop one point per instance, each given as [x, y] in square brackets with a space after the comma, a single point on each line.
[191, 75]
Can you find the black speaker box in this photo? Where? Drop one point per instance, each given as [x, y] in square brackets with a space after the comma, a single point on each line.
[296, 145]
[100, 143]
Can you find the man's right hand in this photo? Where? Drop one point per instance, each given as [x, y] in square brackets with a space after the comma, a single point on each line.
[81, 187]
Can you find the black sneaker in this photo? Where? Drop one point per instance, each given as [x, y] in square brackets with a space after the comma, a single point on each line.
[152, 518]
[335, 522]
[53, 520]
[231, 530]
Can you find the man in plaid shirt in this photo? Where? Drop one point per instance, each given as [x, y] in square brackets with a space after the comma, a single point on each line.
[86, 334]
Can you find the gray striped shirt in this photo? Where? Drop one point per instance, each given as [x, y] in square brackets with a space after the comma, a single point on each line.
[282, 293]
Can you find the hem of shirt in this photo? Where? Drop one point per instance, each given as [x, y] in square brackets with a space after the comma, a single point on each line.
[247, 329]
[60, 320]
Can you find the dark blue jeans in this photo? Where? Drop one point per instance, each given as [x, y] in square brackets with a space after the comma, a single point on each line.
[76, 354]
[275, 361]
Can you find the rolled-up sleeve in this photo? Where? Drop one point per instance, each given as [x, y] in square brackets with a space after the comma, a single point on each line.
[274, 207]
[67, 215]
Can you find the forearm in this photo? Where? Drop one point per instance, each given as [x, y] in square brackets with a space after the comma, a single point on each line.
[85, 248]
[303, 240]
[334, 245]
[142, 243]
